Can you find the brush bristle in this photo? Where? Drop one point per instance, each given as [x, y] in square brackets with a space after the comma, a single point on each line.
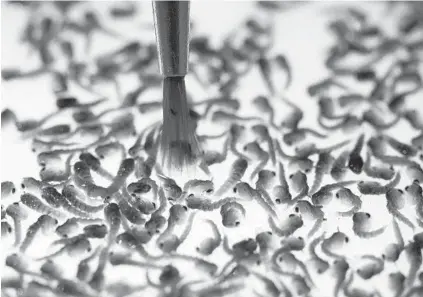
[179, 147]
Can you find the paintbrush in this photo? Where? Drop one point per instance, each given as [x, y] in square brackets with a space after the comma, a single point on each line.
[179, 148]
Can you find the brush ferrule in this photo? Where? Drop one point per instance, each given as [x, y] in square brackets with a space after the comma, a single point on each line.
[171, 20]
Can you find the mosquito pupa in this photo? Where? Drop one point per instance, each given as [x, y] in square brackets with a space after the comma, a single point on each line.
[293, 119]
[232, 214]
[227, 118]
[263, 105]
[355, 162]
[106, 150]
[339, 167]
[163, 205]
[395, 201]
[242, 248]
[95, 165]
[339, 269]
[349, 123]
[237, 171]
[143, 186]
[209, 244]
[266, 179]
[7, 189]
[32, 185]
[332, 245]
[125, 169]
[323, 166]
[375, 188]
[414, 172]
[69, 227]
[266, 242]
[18, 214]
[262, 133]
[205, 204]
[171, 242]
[73, 288]
[327, 109]
[404, 149]
[57, 130]
[130, 212]
[229, 104]
[20, 264]
[287, 226]
[113, 219]
[281, 191]
[362, 226]
[50, 174]
[376, 120]
[288, 259]
[300, 134]
[246, 192]
[171, 189]
[45, 223]
[414, 194]
[310, 212]
[75, 248]
[254, 150]
[323, 86]
[84, 180]
[316, 262]
[199, 187]
[52, 196]
[236, 135]
[348, 198]
[378, 171]
[350, 99]
[97, 280]
[72, 195]
[156, 223]
[372, 266]
[392, 251]
[299, 185]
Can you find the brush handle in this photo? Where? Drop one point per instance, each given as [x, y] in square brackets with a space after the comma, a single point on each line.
[171, 19]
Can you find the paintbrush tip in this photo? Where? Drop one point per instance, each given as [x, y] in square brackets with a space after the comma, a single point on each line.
[179, 148]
